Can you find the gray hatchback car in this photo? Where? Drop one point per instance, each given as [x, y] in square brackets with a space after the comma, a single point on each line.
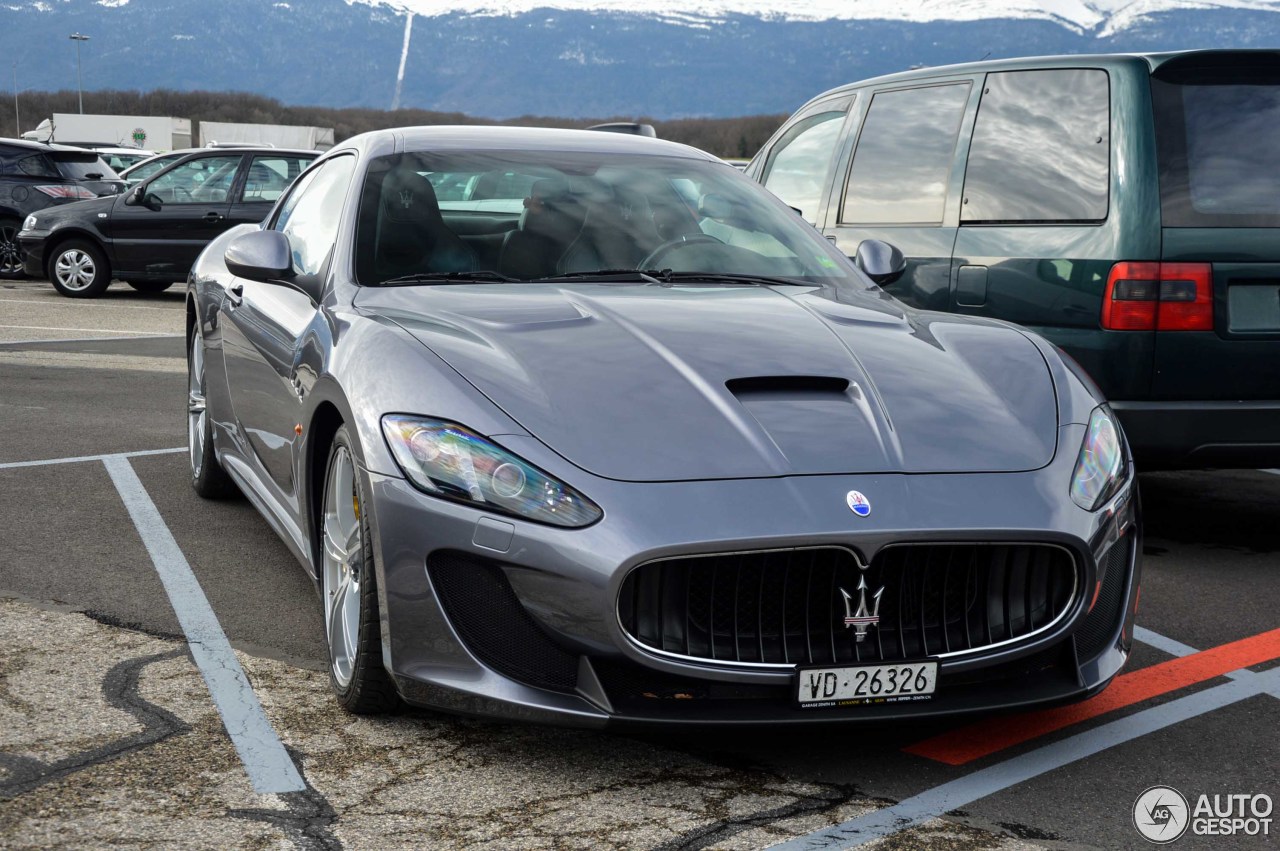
[1127, 208]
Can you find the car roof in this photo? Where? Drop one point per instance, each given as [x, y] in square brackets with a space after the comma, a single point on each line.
[43, 146]
[493, 138]
[1153, 61]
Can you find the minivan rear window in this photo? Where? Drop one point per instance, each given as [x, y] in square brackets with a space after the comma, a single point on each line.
[81, 167]
[1215, 132]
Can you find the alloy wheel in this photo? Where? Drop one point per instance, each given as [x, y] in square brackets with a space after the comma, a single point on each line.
[343, 544]
[196, 407]
[11, 253]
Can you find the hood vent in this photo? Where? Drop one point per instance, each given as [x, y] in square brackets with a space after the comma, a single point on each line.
[787, 386]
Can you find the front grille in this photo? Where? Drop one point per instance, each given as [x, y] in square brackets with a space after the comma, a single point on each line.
[788, 607]
[490, 620]
[1103, 620]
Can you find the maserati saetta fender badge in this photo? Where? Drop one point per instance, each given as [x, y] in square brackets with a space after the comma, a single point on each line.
[858, 503]
[862, 618]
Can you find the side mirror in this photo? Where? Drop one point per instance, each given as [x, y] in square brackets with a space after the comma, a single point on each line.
[880, 261]
[260, 255]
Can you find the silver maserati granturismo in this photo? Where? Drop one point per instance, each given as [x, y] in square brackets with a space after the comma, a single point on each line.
[588, 428]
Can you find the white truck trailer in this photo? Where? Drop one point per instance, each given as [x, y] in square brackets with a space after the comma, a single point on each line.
[125, 131]
[277, 135]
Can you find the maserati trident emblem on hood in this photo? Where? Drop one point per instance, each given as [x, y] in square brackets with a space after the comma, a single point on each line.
[858, 503]
[864, 618]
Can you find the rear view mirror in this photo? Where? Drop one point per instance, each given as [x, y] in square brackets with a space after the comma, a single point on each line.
[880, 261]
[260, 255]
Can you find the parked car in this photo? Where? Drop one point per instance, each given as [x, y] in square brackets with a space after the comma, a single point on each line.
[149, 236]
[35, 176]
[140, 171]
[1121, 206]
[122, 158]
[623, 457]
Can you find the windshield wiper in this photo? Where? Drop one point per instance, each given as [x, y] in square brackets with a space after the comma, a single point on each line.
[612, 274]
[667, 276]
[450, 278]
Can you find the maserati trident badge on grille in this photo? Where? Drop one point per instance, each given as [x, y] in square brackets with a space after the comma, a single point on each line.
[864, 618]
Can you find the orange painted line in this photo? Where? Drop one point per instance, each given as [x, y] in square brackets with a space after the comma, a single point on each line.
[974, 741]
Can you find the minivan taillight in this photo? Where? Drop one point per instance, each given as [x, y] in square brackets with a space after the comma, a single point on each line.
[1159, 297]
[67, 191]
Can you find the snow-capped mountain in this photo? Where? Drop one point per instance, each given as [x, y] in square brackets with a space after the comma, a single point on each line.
[577, 58]
[1104, 17]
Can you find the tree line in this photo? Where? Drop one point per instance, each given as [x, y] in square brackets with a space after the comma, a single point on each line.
[724, 137]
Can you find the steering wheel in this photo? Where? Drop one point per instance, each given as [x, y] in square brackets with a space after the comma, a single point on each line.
[651, 260]
[182, 195]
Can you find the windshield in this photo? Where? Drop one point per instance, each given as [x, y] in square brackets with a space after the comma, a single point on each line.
[528, 216]
[1215, 168]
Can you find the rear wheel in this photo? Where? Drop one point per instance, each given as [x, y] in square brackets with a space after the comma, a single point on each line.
[150, 286]
[11, 254]
[79, 269]
[208, 477]
[352, 627]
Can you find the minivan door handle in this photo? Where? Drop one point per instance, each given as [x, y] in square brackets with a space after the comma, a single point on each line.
[212, 216]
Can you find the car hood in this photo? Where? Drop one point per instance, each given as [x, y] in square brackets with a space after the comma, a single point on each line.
[648, 383]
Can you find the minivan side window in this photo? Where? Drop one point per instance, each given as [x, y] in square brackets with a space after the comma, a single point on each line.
[904, 156]
[798, 165]
[1041, 148]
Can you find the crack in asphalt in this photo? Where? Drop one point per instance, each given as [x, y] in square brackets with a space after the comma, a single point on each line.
[708, 835]
[120, 690]
[308, 820]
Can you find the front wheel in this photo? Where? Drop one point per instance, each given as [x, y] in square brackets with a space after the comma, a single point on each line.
[150, 286]
[350, 592]
[12, 257]
[208, 477]
[79, 269]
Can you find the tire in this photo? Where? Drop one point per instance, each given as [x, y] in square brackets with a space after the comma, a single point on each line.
[349, 592]
[79, 269]
[11, 254]
[208, 478]
[150, 286]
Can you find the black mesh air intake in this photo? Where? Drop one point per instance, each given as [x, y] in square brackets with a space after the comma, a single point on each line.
[489, 618]
[809, 606]
[1098, 627]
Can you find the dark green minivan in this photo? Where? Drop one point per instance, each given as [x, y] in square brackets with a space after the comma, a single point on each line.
[1126, 207]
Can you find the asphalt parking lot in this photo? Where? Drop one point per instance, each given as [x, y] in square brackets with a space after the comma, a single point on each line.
[109, 735]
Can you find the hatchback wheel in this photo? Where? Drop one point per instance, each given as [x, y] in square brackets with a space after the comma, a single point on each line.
[352, 627]
[11, 254]
[79, 269]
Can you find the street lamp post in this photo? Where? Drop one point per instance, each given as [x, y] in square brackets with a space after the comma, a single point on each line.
[77, 38]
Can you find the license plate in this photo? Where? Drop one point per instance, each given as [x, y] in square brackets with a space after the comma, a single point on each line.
[863, 684]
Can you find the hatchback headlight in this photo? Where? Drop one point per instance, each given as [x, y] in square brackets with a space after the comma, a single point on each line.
[1100, 468]
[29, 223]
[449, 461]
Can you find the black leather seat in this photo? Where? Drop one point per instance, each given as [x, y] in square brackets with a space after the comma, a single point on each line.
[551, 220]
[412, 236]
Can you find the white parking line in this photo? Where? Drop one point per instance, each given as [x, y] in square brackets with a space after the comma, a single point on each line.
[84, 304]
[80, 330]
[135, 336]
[9, 465]
[265, 759]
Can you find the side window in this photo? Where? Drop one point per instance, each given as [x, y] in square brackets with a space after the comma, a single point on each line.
[797, 167]
[204, 180]
[37, 165]
[270, 175]
[1041, 148]
[905, 152]
[310, 215]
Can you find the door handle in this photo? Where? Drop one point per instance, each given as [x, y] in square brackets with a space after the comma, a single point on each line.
[211, 216]
[235, 295]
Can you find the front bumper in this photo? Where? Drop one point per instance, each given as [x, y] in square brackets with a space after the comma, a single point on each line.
[549, 596]
[1202, 435]
[33, 244]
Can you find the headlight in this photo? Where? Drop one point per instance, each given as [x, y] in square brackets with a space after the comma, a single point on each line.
[1100, 469]
[447, 460]
[29, 223]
